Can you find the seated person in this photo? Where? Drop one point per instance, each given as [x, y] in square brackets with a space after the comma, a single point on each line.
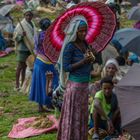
[122, 65]
[106, 113]
[111, 69]
[132, 58]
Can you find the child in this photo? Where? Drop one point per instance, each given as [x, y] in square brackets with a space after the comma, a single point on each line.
[106, 113]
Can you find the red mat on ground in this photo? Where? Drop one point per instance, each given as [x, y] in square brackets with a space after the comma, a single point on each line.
[3, 53]
[19, 130]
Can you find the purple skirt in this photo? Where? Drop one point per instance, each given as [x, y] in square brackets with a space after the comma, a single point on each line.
[74, 114]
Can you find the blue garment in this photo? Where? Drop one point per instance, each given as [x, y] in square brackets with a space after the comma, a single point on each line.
[38, 43]
[38, 85]
[134, 58]
[53, 2]
[2, 43]
[72, 55]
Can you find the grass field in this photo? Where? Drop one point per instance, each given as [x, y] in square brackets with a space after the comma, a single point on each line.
[14, 105]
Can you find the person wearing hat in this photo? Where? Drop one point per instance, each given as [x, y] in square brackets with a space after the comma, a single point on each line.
[24, 41]
[132, 58]
[43, 69]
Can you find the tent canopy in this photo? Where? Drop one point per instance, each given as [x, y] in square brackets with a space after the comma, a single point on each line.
[128, 93]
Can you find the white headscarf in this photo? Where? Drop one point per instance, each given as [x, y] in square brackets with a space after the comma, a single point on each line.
[114, 62]
[70, 32]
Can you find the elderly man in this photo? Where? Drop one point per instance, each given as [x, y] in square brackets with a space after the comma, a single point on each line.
[24, 39]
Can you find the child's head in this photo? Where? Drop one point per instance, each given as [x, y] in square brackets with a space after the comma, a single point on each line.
[107, 86]
[44, 23]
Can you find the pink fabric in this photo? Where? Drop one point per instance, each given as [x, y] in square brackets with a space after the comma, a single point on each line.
[74, 114]
[137, 25]
[20, 131]
[20, 2]
[3, 53]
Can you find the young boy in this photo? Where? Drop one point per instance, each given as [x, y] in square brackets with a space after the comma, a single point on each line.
[106, 113]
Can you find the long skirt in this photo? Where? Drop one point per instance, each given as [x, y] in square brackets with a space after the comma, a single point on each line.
[73, 123]
[38, 84]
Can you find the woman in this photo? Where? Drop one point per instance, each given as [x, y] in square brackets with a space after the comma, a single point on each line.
[75, 62]
[42, 65]
[112, 69]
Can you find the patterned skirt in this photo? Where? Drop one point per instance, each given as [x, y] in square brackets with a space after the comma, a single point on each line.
[74, 114]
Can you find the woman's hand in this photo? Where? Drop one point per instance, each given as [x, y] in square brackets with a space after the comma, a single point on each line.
[88, 57]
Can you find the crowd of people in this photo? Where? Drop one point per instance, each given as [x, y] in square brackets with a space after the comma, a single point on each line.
[75, 76]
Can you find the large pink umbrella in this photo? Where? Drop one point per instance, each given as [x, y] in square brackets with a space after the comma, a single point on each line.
[101, 25]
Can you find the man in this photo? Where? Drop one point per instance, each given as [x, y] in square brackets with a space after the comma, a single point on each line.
[24, 39]
[106, 113]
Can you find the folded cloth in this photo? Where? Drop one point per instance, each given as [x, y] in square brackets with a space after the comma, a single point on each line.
[20, 130]
[3, 53]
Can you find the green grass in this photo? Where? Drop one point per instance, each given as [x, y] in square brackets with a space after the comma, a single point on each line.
[13, 104]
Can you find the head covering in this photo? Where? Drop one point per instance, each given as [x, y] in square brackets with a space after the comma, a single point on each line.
[70, 32]
[134, 58]
[26, 11]
[82, 23]
[44, 23]
[113, 61]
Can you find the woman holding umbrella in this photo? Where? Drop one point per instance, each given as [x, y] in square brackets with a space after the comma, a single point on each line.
[77, 61]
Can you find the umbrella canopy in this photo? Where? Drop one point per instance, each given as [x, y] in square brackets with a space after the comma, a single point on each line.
[101, 25]
[134, 2]
[134, 13]
[6, 9]
[128, 93]
[3, 22]
[129, 38]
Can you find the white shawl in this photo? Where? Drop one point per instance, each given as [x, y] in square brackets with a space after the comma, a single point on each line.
[117, 75]
[70, 32]
[30, 32]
